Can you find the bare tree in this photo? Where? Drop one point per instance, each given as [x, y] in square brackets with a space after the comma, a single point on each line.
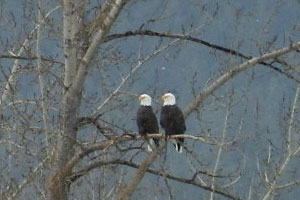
[71, 72]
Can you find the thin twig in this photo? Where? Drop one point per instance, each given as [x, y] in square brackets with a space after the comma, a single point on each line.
[219, 152]
[42, 81]
[290, 154]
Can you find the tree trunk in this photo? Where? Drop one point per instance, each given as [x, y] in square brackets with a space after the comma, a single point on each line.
[75, 74]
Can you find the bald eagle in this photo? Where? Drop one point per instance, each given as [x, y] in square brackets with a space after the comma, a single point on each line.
[172, 120]
[146, 120]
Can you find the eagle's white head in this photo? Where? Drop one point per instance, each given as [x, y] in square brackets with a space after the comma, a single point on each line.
[169, 99]
[145, 100]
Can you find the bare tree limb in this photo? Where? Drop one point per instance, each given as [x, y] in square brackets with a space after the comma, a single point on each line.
[128, 190]
[15, 57]
[44, 99]
[196, 40]
[78, 174]
[191, 181]
[110, 16]
[170, 35]
[233, 72]
[104, 145]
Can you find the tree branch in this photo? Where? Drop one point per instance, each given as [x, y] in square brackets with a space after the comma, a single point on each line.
[82, 172]
[44, 100]
[178, 36]
[104, 145]
[197, 40]
[128, 190]
[233, 72]
[29, 58]
[65, 171]
[110, 17]
[191, 181]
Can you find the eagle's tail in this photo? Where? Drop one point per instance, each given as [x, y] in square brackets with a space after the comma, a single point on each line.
[178, 143]
[151, 143]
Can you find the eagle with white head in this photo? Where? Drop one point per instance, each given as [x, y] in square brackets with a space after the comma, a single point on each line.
[172, 120]
[146, 120]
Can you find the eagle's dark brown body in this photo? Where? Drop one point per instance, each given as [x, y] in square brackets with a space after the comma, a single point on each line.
[147, 122]
[172, 121]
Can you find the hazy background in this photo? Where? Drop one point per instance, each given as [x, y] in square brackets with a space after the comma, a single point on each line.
[256, 103]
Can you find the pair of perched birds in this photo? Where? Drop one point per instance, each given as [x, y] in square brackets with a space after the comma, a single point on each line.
[171, 120]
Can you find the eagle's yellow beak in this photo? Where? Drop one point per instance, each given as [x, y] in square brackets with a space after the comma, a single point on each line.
[163, 97]
[141, 97]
